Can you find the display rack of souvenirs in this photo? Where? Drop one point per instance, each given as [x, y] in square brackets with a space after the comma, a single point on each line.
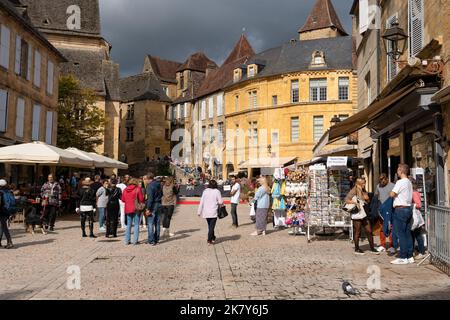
[296, 199]
[339, 187]
[318, 213]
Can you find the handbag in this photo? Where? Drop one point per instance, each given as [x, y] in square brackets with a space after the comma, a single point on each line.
[417, 219]
[138, 206]
[222, 212]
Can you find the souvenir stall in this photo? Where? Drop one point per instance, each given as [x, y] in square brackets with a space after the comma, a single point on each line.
[296, 200]
[328, 187]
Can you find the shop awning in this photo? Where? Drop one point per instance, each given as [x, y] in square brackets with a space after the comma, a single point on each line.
[310, 161]
[267, 162]
[44, 154]
[442, 95]
[362, 118]
[344, 151]
[98, 160]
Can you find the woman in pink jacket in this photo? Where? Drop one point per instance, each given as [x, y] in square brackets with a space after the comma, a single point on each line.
[130, 196]
[209, 205]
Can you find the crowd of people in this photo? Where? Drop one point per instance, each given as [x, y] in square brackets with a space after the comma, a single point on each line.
[145, 202]
[397, 205]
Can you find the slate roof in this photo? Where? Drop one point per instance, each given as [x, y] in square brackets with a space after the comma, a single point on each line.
[140, 87]
[93, 70]
[196, 81]
[55, 13]
[165, 70]
[297, 56]
[20, 17]
[197, 62]
[217, 79]
[323, 15]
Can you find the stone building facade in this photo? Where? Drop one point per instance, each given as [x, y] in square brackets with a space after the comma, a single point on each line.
[281, 102]
[29, 72]
[407, 118]
[73, 27]
[144, 131]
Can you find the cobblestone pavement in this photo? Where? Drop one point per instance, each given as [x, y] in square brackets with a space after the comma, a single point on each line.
[276, 266]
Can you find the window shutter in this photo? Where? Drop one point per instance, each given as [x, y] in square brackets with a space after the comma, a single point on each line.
[3, 110]
[391, 64]
[363, 16]
[49, 128]
[18, 57]
[20, 117]
[36, 122]
[220, 105]
[416, 26]
[4, 46]
[50, 76]
[185, 110]
[211, 107]
[30, 61]
[37, 69]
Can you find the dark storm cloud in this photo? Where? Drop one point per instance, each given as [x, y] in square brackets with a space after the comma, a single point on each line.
[174, 29]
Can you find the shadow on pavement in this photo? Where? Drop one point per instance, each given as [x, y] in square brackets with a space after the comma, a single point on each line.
[230, 238]
[32, 243]
[178, 236]
[187, 231]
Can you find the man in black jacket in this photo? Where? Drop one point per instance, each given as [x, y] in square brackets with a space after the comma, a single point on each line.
[86, 206]
[4, 216]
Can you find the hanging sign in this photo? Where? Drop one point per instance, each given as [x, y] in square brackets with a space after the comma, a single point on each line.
[337, 162]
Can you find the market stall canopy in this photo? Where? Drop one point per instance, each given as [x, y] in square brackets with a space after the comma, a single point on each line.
[362, 118]
[267, 162]
[100, 161]
[42, 153]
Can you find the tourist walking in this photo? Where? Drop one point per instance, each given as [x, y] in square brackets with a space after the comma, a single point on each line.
[102, 203]
[235, 199]
[359, 198]
[132, 197]
[7, 202]
[153, 209]
[208, 209]
[262, 205]
[403, 195]
[113, 209]
[86, 207]
[169, 201]
[51, 201]
[122, 186]
[382, 192]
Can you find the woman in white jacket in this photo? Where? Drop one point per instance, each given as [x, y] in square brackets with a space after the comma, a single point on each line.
[209, 205]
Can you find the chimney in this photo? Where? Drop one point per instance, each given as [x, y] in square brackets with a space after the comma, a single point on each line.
[210, 67]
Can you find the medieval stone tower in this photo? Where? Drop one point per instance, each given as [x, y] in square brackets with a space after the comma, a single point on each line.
[73, 27]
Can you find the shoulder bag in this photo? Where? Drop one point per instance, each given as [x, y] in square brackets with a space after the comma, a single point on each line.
[222, 212]
[138, 205]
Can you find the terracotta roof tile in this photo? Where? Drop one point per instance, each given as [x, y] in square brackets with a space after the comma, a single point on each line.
[197, 62]
[218, 78]
[164, 69]
[323, 15]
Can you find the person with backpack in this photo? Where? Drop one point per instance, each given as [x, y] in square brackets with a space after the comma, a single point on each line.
[113, 209]
[7, 209]
[86, 207]
[51, 198]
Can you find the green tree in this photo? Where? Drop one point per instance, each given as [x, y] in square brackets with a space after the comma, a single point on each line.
[80, 123]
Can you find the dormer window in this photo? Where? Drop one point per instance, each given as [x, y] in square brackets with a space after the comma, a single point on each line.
[252, 70]
[318, 58]
[237, 75]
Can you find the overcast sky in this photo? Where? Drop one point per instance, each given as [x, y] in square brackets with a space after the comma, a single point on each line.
[174, 29]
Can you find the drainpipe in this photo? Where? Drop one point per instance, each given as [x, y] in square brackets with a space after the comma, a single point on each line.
[439, 160]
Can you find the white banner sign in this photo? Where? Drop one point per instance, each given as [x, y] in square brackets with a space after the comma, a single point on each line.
[340, 162]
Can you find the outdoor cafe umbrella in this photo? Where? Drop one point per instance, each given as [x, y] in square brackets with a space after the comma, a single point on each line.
[100, 161]
[40, 153]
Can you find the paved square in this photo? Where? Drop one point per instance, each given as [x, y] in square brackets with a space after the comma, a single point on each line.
[277, 266]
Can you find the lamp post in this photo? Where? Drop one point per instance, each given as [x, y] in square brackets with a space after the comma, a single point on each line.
[335, 121]
[394, 40]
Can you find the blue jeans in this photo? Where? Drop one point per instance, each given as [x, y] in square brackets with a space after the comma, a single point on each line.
[154, 224]
[132, 219]
[402, 227]
[417, 236]
[101, 217]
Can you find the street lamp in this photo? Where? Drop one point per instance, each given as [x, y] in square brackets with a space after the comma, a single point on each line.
[395, 41]
[335, 121]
